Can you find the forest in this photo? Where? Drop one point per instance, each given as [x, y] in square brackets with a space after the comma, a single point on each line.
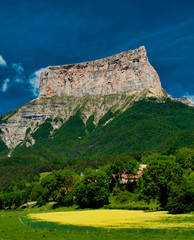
[84, 164]
[148, 125]
[165, 184]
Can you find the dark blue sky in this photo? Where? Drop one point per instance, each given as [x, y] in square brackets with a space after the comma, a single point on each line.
[37, 33]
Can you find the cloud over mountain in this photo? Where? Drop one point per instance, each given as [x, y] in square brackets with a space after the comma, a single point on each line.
[2, 62]
[5, 85]
[34, 80]
[20, 76]
[190, 97]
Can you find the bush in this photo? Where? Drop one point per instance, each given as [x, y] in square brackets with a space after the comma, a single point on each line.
[65, 198]
[124, 197]
[40, 201]
[12, 199]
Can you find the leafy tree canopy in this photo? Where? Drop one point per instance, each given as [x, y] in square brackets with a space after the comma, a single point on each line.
[93, 190]
[158, 178]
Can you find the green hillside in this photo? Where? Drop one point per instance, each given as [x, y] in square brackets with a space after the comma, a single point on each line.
[151, 132]
[148, 125]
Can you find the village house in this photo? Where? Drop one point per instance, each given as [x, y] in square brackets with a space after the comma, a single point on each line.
[128, 178]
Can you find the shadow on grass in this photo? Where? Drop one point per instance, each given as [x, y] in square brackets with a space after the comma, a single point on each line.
[55, 226]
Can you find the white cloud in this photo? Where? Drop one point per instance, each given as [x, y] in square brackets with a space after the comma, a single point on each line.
[190, 97]
[34, 80]
[20, 76]
[2, 62]
[5, 85]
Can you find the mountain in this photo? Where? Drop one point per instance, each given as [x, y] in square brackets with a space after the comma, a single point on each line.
[125, 72]
[185, 100]
[86, 110]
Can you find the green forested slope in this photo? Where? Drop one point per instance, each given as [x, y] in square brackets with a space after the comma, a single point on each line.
[147, 126]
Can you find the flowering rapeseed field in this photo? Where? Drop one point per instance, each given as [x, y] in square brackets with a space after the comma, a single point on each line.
[115, 219]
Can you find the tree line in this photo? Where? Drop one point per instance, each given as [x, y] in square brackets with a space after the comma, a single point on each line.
[167, 179]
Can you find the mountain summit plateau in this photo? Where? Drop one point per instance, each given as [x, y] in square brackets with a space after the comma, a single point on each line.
[125, 72]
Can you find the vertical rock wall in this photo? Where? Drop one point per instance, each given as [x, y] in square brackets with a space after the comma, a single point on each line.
[125, 72]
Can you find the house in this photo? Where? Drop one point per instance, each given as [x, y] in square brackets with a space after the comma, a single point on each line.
[128, 178]
[138, 174]
[142, 166]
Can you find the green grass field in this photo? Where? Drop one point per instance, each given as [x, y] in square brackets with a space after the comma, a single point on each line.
[14, 225]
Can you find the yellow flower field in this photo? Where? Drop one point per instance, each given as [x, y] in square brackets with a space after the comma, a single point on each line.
[117, 219]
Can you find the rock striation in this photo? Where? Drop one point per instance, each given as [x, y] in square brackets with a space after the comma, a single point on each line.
[18, 127]
[125, 72]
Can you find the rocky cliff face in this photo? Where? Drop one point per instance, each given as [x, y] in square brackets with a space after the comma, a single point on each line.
[18, 127]
[185, 100]
[125, 72]
[93, 88]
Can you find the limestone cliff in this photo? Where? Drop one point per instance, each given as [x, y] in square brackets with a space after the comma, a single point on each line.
[18, 127]
[125, 72]
[93, 88]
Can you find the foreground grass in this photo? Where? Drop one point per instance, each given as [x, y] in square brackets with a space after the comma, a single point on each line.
[12, 227]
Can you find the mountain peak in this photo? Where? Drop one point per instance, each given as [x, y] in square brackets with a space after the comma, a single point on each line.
[97, 88]
[128, 71]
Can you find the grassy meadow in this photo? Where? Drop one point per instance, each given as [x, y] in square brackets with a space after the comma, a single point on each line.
[24, 224]
[118, 219]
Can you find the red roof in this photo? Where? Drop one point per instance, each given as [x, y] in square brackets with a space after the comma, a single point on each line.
[126, 176]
